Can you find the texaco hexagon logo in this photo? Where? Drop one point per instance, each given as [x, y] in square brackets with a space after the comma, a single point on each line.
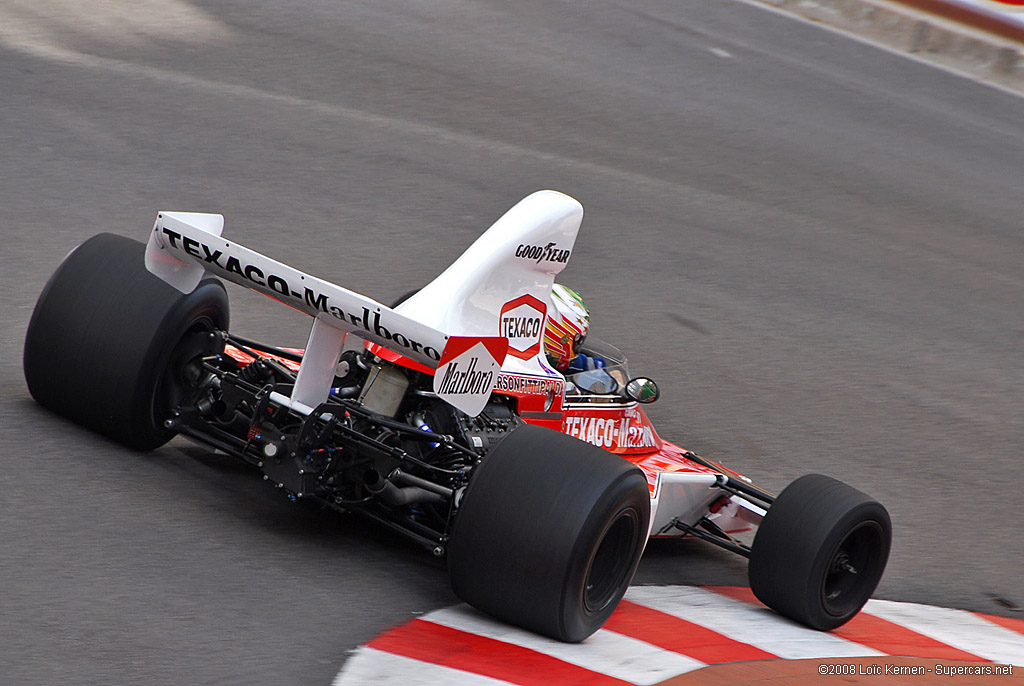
[522, 323]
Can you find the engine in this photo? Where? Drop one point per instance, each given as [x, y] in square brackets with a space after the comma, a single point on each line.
[383, 444]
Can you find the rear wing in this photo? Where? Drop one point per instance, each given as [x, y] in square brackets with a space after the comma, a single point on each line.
[185, 245]
[453, 325]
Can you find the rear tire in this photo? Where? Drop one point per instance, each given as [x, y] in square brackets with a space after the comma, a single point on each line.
[108, 345]
[820, 551]
[549, 533]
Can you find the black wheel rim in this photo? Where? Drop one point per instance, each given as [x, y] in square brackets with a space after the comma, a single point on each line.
[180, 376]
[853, 570]
[609, 568]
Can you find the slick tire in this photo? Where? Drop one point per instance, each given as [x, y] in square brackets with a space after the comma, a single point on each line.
[549, 533]
[820, 551]
[109, 344]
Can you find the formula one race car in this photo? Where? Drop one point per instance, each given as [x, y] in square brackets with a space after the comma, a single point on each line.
[440, 417]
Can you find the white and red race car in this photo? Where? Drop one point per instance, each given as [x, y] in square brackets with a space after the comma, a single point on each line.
[440, 418]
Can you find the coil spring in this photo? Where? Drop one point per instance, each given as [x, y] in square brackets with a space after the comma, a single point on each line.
[258, 373]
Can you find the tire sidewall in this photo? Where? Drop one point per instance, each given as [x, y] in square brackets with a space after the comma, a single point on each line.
[797, 541]
[621, 499]
[866, 512]
[530, 525]
[103, 333]
[205, 309]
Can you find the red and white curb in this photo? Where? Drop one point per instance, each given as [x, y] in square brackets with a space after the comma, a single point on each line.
[659, 632]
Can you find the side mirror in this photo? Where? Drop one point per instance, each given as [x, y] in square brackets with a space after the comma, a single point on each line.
[642, 390]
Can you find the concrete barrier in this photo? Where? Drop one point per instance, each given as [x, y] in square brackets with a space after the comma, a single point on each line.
[969, 39]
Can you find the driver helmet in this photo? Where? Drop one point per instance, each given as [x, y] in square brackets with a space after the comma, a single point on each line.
[567, 325]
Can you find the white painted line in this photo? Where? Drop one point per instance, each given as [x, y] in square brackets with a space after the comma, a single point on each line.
[636, 661]
[370, 666]
[958, 628]
[613, 654]
[740, 621]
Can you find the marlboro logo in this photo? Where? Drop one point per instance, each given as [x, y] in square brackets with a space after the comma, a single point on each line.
[468, 370]
[470, 380]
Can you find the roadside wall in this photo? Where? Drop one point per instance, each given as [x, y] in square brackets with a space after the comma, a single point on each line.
[982, 38]
[1010, 11]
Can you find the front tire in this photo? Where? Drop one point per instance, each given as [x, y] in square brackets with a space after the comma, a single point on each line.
[549, 533]
[820, 552]
[109, 344]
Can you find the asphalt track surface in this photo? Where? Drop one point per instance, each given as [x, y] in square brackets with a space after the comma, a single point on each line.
[813, 245]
